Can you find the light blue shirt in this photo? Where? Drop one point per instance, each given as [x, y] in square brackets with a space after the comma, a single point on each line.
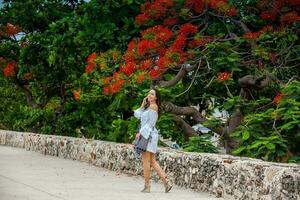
[148, 120]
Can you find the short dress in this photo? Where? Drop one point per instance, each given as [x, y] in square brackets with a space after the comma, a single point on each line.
[148, 120]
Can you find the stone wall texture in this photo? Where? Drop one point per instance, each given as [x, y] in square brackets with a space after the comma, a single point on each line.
[222, 175]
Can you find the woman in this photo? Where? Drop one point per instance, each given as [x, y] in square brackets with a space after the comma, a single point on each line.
[148, 113]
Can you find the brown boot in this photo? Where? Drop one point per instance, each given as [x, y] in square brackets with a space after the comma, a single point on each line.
[146, 189]
[168, 185]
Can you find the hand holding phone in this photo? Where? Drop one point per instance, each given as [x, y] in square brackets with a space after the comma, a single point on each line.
[145, 101]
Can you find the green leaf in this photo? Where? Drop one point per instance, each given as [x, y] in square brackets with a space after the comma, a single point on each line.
[270, 146]
[246, 135]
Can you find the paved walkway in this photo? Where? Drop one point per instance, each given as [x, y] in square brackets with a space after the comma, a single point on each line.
[26, 175]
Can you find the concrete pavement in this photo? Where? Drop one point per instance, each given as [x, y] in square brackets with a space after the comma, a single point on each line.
[26, 175]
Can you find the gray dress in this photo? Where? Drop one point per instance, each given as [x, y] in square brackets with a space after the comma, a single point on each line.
[148, 120]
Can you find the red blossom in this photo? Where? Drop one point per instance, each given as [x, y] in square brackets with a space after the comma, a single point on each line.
[255, 35]
[224, 76]
[115, 87]
[140, 78]
[232, 11]
[278, 4]
[145, 46]
[115, 55]
[179, 42]
[129, 56]
[146, 6]
[163, 62]
[196, 5]
[76, 95]
[142, 18]
[170, 21]
[200, 41]
[215, 4]
[160, 7]
[175, 57]
[106, 80]
[154, 73]
[116, 76]
[146, 64]
[10, 69]
[128, 68]
[158, 34]
[106, 90]
[293, 2]
[277, 98]
[187, 28]
[91, 58]
[268, 15]
[289, 18]
[89, 68]
[131, 45]
[11, 29]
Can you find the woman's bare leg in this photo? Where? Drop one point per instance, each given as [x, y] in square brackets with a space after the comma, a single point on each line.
[161, 173]
[146, 156]
[157, 168]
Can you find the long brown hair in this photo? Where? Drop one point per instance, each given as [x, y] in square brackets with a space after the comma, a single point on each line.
[157, 94]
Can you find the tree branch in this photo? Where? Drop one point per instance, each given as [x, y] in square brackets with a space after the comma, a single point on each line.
[187, 129]
[182, 72]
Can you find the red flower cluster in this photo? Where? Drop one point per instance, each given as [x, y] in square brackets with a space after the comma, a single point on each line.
[293, 2]
[146, 64]
[76, 95]
[11, 29]
[224, 76]
[277, 98]
[170, 21]
[106, 80]
[222, 6]
[145, 46]
[10, 69]
[128, 68]
[115, 56]
[156, 9]
[113, 84]
[131, 45]
[116, 86]
[142, 18]
[269, 13]
[289, 18]
[163, 62]
[215, 4]
[255, 35]
[200, 41]
[91, 63]
[158, 34]
[179, 42]
[140, 78]
[196, 5]
[187, 29]
[232, 11]
[154, 73]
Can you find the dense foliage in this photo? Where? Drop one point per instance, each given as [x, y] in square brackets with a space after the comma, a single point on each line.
[84, 69]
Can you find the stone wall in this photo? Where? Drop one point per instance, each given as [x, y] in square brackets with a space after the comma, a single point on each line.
[222, 175]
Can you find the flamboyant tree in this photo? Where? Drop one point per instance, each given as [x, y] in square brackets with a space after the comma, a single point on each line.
[43, 47]
[234, 55]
